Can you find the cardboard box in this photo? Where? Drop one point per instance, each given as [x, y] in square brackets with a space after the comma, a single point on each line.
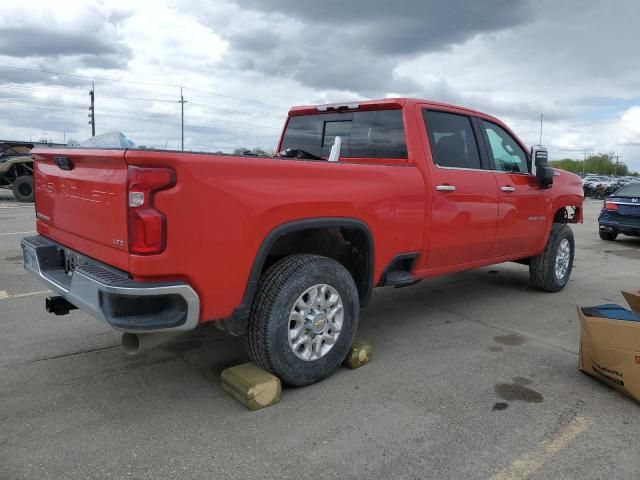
[610, 349]
[633, 299]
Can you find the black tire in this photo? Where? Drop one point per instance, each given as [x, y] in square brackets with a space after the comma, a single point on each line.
[268, 328]
[23, 188]
[542, 269]
[608, 235]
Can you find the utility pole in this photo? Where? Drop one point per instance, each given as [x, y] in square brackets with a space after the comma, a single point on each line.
[92, 110]
[584, 160]
[540, 130]
[182, 102]
[615, 168]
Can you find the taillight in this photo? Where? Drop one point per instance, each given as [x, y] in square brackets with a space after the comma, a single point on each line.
[147, 226]
[610, 206]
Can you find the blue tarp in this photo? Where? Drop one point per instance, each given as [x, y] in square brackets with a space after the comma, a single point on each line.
[611, 311]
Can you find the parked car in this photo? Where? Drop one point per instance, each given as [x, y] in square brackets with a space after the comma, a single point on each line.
[16, 170]
[288, 249]
[602, 186]
[595, 180]
[621, 213]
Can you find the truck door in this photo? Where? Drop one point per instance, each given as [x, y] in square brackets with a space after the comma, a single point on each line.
[523, 203]
[464, 196]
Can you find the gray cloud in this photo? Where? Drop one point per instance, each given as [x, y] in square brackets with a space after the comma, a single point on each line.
[404, 26]
[17, 41]
[92, 38]
[356, 45]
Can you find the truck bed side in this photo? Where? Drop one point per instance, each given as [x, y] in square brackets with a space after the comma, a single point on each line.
[223, 207]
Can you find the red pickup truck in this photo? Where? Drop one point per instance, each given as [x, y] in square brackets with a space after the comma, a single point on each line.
[288, 249]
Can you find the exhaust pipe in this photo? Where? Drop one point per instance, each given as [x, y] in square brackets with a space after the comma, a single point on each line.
[132, 343]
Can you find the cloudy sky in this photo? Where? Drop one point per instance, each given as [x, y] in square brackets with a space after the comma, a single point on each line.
[242, 63]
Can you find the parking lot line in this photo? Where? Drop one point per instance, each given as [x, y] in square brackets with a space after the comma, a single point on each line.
[16, 206]
[5, 296]
[16, 233]
[524, 466]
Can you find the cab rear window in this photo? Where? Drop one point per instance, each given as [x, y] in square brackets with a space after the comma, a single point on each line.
[371, 134]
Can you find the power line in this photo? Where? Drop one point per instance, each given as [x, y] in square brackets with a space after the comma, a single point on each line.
[89, 77]
[255, 102]
[206, 107]
[133, 114]
[139, 82]
[39, 89]
[71, 105]
[144, 99]
[115, 116]
[147, 116]
[273, 135]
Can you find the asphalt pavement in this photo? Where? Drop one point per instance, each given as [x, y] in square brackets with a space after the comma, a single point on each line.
[473, 375]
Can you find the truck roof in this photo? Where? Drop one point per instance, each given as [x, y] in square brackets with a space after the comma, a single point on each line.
[397, 102]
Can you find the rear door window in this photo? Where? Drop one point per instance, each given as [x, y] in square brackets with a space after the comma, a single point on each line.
[453, 143]
[371, 134]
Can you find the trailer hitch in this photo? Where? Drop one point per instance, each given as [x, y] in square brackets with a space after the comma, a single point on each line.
[58, 305]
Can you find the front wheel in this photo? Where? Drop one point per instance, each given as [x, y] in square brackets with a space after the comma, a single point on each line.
[23, 188]
[303, 319]
[550, 271]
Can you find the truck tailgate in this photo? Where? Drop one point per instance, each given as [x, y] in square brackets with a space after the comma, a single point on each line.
[80, 198]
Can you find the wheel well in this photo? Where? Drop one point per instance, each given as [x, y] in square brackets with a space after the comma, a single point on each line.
[345, 240]
[348, 245]
[568, 214]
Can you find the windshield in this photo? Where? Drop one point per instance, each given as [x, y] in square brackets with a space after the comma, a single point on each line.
[632, 190]
[371, 134]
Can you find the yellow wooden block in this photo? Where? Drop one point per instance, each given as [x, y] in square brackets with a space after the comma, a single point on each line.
[251, 385]
[359, 355]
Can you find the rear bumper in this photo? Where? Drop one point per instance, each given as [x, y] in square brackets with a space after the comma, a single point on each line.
[625, 225]
[109, 294]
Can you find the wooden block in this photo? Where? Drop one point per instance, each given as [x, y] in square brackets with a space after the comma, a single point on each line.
[251, 386]
[359, 355]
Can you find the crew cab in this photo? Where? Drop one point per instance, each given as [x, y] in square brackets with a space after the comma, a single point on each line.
[286, 250]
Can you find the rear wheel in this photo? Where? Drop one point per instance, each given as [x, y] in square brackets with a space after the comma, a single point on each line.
[303, 319]
[550, 271]
[608, 235]
[23, 188]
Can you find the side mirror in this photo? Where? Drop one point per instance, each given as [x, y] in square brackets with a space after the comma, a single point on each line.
[540, 166]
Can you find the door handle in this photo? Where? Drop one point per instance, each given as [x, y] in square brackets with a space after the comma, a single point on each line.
[446, 188]
[508, 188]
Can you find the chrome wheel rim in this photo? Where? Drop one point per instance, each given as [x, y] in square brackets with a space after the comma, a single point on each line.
[315, 322]
[563, 257]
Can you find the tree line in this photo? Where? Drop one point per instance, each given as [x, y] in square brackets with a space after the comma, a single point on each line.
[602, 164]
